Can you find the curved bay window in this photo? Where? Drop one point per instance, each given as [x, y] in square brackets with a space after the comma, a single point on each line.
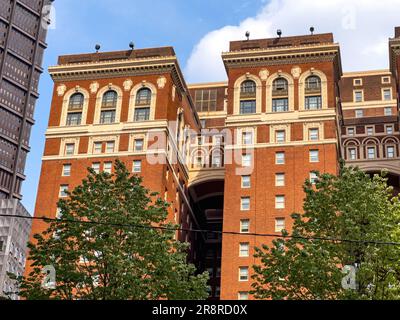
[313, 93]
[142, 104]
[75, 109]
[248, 90]
[280, 95]
[108, 107]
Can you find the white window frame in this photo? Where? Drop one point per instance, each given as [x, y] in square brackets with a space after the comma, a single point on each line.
[359, 113]
[280, 202]
[63, 189]
[314, 159]
[279, 226]
[94, 165]
[243, 274]
[243, 223]
[386, 113]
[244, 186]
[245, 204]
[244, 250]
[113, 146]
[355, 92]
[135, 167]
[277, 158]
[280, 179]
[105, 169]
[368, 154]
[68, 172]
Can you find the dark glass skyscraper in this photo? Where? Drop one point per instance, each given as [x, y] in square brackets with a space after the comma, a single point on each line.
[23, 28]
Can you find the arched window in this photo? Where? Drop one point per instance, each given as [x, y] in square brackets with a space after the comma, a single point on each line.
[108, 107]
[280, 95]
[313, 93]
[142, 104]
[75, 109]
[248, 97]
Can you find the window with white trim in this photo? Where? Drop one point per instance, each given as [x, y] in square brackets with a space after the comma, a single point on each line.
[243, 274]
[280, 136]
[243, 295]
[387, 94]
[246, 160]
[279, 202]
[244, 249]
[279, 179]
[96, 167]
[313, 134]
[138, 145]
[388, 111]
[137, 166]
[63, 191]
[389, 129]
[69, 149]
[247, 138]
[352, 153]
[280, 224]
[313, 177]
[314, 155]
[66, 172]
[280, 158]
[245, 203]
[245, 226]
[371, 153]
[390, 152]
[107, 167]
[358, 96]
[246, 182]
[359, 113]
[97, 147]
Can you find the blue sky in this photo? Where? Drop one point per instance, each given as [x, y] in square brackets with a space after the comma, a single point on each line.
[200, 30]
[113, 24]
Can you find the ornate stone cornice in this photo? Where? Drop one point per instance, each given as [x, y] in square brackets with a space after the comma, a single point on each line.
[277, 56]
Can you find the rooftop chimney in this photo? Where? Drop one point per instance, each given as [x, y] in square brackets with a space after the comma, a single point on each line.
[397, 32]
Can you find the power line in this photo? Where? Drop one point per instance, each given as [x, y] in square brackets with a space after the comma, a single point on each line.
[120, 225]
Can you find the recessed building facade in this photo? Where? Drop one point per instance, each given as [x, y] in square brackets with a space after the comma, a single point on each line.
[231, 157]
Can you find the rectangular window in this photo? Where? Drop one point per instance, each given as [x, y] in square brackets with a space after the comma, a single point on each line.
[389, 129]
[387, 94]
[371, 152]
[279, 224]
[70, 149]
[206, 100]
[245, 204]
[352, 154]
[96, 167]
[243, 295]
[110, 147]
[350, 131]
[385, 79]
[137, 166]
[247, 107]
[244, 274]
[247, 138]
[388, 111]
[370, 131]
[244, 249]
[280, 158]
[66, 170]
[358, 96]
[74, 119]
[142, 114]
[313, 134]
[357, 82]
[63, 191]
[244, 226]
[246, 182]
[314, 155]
[313, 103]
[280, 180]
[280, 105]
[359, 113]
[313, 177]
[390, 152]
[246, 160]
[107, 117]
[139, 143]
[280, 136]
[279, 202]
[108, 167]
[97, 147]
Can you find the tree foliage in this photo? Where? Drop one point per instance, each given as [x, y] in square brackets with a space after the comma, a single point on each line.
[114, 252]
[351, 206]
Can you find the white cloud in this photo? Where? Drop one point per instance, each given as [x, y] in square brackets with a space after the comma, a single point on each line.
[362, 27]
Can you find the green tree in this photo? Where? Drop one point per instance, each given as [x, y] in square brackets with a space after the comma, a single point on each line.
[114, 252]
[351, 206]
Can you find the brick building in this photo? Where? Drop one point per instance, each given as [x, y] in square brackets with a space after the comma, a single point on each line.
[234, 155]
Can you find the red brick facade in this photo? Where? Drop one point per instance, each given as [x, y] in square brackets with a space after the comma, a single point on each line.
[283, 114]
